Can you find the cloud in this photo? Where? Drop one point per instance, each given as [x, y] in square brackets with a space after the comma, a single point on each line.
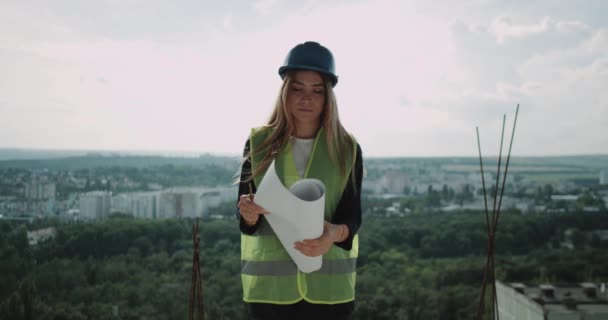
[415, 78]
[227, 21]
[555, 69]
[504, 29]
[265, 7]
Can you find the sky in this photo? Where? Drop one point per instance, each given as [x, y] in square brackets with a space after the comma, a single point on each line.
[416, 78]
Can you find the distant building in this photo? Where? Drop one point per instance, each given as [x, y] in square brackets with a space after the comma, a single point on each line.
[40, 189]
[517, 301]
[122, 203]
[524, 206]
[454, 181]
[95, 205]
[137, 204]
[394, 182]
[212, 198]
[180, 204]
[145, 205]
[564, 197]
[451, 208]
[604, 176]
[36, 236]
[475, 181]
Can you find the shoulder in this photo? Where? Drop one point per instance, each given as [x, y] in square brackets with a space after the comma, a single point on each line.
[260, 134]
[352, 137]
[263, 130]
[256, 135]
[356, 147]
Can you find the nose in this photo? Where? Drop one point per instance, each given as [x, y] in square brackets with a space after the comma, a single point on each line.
[307, 95]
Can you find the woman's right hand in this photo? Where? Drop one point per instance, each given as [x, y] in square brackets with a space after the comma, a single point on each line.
[250, 211]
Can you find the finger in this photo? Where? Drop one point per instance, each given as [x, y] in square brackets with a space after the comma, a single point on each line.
[308, 254]
[246, 205]
[243, 210]
[243, 201]
[304, 250]
[309, 243]
[250, 206]
[308, 249]
[311, 253]
[246, 216]
[301, 246]
[247, 210]
[251, 211]
[312, 242]
[254, 204]
[250, 217]
[259, 209]
[255, 211]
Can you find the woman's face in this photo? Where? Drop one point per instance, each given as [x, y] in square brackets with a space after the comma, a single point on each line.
[306, 96]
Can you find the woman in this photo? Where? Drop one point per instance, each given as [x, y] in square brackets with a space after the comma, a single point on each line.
[305, 139]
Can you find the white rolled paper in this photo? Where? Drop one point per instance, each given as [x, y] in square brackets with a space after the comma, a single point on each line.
[295, 213]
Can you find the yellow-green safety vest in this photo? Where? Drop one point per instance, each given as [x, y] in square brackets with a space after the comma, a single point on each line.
[268, 273]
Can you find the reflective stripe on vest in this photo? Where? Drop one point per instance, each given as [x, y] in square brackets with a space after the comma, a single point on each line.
[287, 268]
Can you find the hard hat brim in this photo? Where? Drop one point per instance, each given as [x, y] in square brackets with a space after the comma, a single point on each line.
[284, 69]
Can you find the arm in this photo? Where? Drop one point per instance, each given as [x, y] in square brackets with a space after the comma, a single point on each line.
[348, 212]
[243, 190]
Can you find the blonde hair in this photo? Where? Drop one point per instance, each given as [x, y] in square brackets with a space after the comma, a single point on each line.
[282, 125]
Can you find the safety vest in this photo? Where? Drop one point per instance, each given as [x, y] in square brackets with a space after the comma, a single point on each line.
[268, 273]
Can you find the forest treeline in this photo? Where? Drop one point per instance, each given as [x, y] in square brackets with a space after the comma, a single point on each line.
[426, 266]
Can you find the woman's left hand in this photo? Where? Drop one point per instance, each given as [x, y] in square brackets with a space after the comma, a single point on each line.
[319, 246]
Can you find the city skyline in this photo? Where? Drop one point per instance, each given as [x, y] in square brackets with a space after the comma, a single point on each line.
[15, 154]
[416, 78]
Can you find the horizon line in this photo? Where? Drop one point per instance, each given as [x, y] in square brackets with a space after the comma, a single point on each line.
[236, 154]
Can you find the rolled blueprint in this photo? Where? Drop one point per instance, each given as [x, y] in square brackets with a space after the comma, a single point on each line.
[295, 213]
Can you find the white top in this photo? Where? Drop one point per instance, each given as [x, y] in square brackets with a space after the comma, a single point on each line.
[301, 149]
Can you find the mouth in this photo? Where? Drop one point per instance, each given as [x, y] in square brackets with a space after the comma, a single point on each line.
[304, 110]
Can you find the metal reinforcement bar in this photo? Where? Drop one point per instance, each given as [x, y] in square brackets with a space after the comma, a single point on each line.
[196, 288]
[491, 225]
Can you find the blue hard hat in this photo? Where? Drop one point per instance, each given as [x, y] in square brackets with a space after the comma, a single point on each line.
[312, 56]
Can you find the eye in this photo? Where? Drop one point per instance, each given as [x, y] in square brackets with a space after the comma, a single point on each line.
[319, 91]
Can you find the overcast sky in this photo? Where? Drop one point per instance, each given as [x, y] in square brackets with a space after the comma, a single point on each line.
[416, 77]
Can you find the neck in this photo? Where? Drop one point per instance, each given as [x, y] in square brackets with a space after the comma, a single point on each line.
[307, 130]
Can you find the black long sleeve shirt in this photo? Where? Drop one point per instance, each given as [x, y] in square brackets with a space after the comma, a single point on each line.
[348, 211]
